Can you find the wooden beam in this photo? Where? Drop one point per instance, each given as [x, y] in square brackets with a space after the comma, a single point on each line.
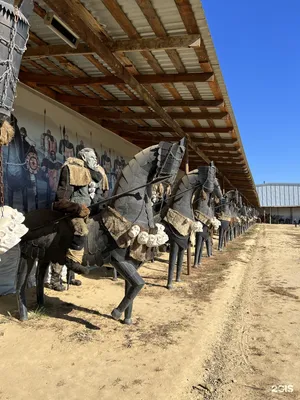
[96, 102]
[43, 79]
[149, 115]
[148, 140]
[172, 42]
[137, 128]
[55, 50]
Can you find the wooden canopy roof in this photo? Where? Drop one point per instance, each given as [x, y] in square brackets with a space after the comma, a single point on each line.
[144, 69]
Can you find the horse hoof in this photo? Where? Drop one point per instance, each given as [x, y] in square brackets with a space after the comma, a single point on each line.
[169, 287]
[178, 280]
[128, 321]
[75, 282]
[116, 314]
[196, 266]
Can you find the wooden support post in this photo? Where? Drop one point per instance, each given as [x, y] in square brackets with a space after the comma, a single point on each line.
[189, 252]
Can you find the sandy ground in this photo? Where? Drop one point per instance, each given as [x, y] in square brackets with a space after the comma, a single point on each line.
[228, 331]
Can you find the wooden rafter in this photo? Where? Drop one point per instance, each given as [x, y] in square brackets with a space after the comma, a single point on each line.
[96, 102]
[43, 79]
[147, 140]
[136, 128]
[149, 115]
[172, 42]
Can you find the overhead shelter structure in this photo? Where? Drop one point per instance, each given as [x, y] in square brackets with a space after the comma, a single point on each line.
[144, 69]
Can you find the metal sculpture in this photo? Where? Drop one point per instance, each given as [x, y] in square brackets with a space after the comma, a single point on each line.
[180, 221]
[224, 216]
[123, 234]
[204, 211]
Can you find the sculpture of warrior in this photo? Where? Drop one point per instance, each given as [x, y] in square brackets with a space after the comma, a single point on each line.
[80, 185]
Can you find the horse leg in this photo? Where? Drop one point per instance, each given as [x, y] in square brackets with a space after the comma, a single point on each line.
[128, 311]
[201, 251]
[172, 260]
[208, 246]
[115, 278]
[40, 278]
[179, 263]
[128, 270]
[221, 238]
[199, 240]
[24, 270]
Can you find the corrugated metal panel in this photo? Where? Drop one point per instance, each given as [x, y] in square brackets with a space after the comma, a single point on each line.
[279, 194]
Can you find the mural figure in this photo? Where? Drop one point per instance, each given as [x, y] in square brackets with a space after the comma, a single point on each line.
[118, 166]
[22, 165]
[79, 147]
[66, 148]
[48, 143]
[50, 173]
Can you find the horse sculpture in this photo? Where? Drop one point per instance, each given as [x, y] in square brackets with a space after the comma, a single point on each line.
[123, 234]
[224, 216]
[204, 211]
[180, 221]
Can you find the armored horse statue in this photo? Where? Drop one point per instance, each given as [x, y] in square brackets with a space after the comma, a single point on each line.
[204, 211]
[225, 217]
[124, 233]
[179, 220]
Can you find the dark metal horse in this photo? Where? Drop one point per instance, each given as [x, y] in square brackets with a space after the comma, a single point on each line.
[49, 244]
[202, 179]
[205, 212]
[225, 217]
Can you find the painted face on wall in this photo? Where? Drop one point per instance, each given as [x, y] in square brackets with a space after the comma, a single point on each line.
[52, 155]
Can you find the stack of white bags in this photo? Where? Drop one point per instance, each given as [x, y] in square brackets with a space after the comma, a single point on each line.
[11, 228]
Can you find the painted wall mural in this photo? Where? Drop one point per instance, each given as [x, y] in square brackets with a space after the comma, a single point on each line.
[32, 164]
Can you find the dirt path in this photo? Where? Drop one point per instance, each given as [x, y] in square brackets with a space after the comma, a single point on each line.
[258, 356]
[227, 332]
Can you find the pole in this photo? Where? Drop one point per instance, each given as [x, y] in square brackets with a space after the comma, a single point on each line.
[189, 253]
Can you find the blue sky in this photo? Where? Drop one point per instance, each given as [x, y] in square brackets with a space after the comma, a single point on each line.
[258, 46]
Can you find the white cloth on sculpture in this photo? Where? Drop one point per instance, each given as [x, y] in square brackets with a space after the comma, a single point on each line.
[11, 228]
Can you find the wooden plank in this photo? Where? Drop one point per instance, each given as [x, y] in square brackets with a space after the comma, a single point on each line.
[96, 102]
[172, 42]
[56, 50]
[136, 128]
[155, 139]
[44, 79]
[150, 115]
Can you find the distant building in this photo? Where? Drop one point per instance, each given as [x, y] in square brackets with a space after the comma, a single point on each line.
[280, 202]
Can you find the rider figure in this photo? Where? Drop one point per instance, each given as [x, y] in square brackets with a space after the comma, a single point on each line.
[82, 183]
